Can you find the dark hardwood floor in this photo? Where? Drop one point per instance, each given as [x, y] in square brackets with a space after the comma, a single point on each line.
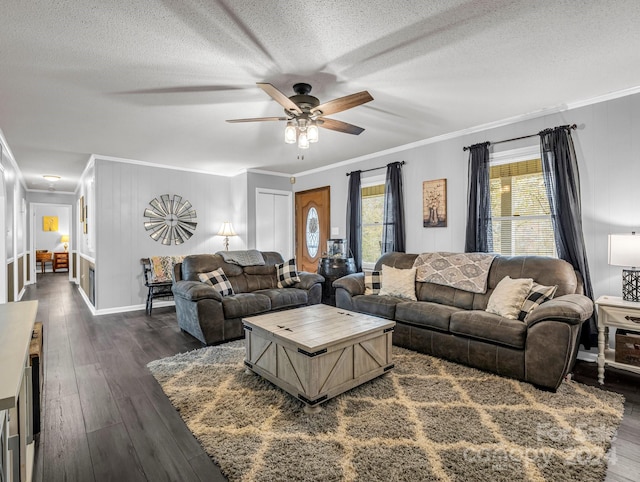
[104, 415]
[106, 418]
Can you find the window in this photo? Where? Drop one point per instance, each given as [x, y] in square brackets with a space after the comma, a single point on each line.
[372, 220]
[520, 213]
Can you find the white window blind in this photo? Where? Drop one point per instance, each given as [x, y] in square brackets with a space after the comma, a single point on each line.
[521, 219]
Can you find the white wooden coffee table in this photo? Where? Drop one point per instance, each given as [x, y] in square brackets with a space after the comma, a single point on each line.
[319, 351]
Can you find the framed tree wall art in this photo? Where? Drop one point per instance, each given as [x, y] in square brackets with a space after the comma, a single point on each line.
[434, 195]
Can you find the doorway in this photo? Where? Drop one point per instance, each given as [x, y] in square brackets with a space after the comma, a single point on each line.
[313, 224]
[51, 229]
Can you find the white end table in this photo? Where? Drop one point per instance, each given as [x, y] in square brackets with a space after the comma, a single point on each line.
[613, 311]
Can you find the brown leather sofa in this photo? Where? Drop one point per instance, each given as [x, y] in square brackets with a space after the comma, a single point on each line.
[212, 318]
[451, 323]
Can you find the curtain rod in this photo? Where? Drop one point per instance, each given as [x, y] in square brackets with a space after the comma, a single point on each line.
[402, 163]
[466, 148]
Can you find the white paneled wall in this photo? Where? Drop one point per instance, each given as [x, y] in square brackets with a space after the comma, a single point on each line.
[123, 191]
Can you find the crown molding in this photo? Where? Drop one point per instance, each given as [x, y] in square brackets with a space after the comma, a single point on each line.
[268, 173]
[51, 192]
[159, 166]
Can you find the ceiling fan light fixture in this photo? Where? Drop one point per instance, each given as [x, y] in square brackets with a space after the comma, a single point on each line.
[303, 140]
[290, 133]
[313, 132]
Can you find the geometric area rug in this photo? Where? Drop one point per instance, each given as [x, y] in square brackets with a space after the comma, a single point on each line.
[427, 419]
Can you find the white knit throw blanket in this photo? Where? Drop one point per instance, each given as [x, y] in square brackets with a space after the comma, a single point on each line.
[464, 271]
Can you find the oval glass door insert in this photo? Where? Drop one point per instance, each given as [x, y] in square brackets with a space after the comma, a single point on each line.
[313, 232]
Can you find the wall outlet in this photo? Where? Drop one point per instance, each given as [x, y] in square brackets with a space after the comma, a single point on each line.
[335, 231]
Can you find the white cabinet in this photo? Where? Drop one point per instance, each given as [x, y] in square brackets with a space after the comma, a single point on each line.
[16, 398]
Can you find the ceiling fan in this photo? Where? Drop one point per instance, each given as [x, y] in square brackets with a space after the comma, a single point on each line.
[305, 113]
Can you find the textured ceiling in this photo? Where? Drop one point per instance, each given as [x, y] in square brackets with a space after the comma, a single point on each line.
[154, 80]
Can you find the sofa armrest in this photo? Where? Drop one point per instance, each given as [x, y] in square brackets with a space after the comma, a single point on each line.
[308, 280]
[352, 283]
[195, 291]
[572, 309]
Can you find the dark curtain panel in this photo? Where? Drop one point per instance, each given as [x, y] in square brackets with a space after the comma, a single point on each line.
[479, 236]
[562, 181]
[393, 233]
[354, 219]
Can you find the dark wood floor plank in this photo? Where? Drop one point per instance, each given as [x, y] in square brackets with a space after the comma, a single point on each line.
[66, 450]
[113, 455]
[59, 373]
[98, 407]
[82, 349]
[121, 372]
[158, 453]
[171, 418]
[201, 465]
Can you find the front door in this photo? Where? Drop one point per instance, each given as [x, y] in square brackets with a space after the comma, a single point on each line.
[312, 226]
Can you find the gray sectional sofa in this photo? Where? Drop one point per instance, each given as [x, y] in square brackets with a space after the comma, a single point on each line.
[213, 318]
[451, 323]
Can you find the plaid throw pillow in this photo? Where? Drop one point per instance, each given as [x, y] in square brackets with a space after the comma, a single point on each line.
[218, 280]
[287, 273]
[538, 295]
[372, 282]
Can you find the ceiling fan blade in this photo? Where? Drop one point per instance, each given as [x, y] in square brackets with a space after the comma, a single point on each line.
[279, 97]
[258, 119]
[185, 88]
[343, 103]
[336, 125]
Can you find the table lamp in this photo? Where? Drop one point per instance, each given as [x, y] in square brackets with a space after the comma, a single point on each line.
[624, 250]
[65, 239]
[226, 230]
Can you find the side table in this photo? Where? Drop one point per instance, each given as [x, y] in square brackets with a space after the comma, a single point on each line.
[332, 269]
[60, 261]
[613, 311]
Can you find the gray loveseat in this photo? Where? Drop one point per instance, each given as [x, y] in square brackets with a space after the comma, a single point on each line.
[212, 318]
[451, 323]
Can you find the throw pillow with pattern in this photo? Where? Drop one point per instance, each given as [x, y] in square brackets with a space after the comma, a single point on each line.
[372, 282]
[287, 273]
[508, 297]
[218, 280]
[538, 295]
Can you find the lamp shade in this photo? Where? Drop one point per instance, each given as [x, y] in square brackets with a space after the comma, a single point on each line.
[226, 230]
[624, 250]
[64, 238]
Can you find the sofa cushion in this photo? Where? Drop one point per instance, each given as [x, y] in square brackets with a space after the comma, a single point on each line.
[287, 273]
[245, 304]
[488, 327]
[372, 282]
[423, 313]
[284, 297]
[195, 264]
[508, 297]
[538, 295]
[377, 305]
[218, 280]
[398, 282]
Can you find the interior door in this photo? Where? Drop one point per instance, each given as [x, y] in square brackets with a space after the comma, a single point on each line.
[313, 224]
